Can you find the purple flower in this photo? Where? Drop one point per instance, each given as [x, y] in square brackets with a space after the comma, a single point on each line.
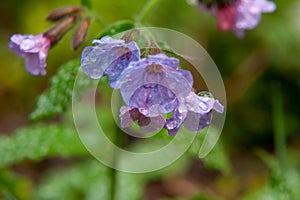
[195, 113]
[248, 14]
[155, 85]
[108, 57]
[240, 15]
[174, 123]
[34, 49]
[147, 124]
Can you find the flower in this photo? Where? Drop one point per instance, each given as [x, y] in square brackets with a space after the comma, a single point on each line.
[174, 123]
[195, 113]
[155, 85]
[200, 108]
[108, 57]
[240, 15]
[147, 124]
[34, 49]
[248, 14]
[150, 87]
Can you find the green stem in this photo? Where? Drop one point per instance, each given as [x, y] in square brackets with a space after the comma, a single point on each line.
[87, 3]
[144, 14]
[278, 124]
[119, 140]
[98, 19]
[113, 178]
[92, 14]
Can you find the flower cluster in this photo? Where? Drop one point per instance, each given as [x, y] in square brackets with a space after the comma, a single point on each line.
[238, 15]
[151, 87]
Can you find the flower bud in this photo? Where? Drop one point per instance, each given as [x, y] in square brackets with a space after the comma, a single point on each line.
[57, 31]
[80, 33]
[59, 13]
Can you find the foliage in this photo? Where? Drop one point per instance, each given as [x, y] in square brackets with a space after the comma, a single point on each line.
[90, 180]
[217, 159]
[58, 97]
[281, 185]
[37, 142]
[117, 27]
[247, 66]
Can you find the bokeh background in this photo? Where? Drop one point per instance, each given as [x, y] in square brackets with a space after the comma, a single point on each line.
[254, 69]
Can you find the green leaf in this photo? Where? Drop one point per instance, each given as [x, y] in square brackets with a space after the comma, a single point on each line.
[217, 159]
[90, 181]
[117, 27]
[13, 186]
[281, 185]
[59, 96]
[38, 142]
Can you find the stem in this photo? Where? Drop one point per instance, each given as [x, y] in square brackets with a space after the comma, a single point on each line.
[98, 19]
[144, 14]
[87, 3]
[113, 177]
[119, 140]
[92, 14]
[278, 125]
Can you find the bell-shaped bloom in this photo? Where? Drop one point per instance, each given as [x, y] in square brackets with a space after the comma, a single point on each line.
[195, 113]
[155, 85]
[238, 15]
[147, 124]
[108, 57]
[243, 15]
[248, 14]
[34, 49]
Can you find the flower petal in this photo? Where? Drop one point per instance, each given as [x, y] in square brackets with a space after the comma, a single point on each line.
[34, 49]
[198, 104]
[147, 124]
[196, 121]
[141, 79]
[153, 99]
[109, 57]
[33, 65]
[173, 124]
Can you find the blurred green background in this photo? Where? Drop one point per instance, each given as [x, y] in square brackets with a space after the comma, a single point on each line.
[267, 58]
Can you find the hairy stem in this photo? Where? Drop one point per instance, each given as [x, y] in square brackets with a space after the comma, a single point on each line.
[278, 124]
[119, 140]
[87, 3]
[147, 9]
[95, 16]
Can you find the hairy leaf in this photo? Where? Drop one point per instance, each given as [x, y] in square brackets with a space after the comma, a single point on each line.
[91, 181]
[37, 142]
[59, 96]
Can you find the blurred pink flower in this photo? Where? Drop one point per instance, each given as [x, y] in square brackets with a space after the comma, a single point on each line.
[34, 49]
[226, 18]
[239, 15]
